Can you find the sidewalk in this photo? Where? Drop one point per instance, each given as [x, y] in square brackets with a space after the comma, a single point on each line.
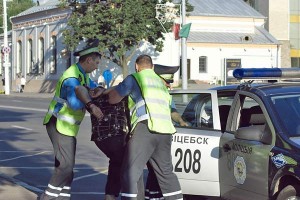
[30, 94]
[11, 190]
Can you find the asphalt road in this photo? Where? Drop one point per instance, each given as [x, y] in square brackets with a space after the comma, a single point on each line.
[26, 152]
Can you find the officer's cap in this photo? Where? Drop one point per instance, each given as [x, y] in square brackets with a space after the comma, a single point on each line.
[91, 47]
[166, 72]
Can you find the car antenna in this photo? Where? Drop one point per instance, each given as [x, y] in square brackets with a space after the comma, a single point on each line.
[245, 85]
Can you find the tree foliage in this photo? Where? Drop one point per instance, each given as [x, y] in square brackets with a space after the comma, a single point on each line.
[14, 8]
[119, 25]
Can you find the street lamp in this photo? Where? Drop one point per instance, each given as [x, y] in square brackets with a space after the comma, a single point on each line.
[167, 12]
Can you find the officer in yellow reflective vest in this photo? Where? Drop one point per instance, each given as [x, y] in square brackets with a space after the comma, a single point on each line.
[152, 130]
[63, 119]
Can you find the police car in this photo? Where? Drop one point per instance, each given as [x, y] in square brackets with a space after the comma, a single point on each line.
[243, 141]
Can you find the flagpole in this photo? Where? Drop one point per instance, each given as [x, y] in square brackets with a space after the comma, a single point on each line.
[183, 51]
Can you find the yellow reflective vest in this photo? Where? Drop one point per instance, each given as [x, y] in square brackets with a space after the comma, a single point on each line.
[68, 120]
[157, 101]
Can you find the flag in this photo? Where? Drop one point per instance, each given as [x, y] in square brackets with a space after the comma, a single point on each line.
[185, 30]
[175, 30]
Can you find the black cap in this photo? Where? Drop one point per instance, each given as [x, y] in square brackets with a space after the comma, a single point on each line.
[166, 72]
[91, 47]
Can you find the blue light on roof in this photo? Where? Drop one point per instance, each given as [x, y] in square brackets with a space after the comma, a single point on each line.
[266, 73]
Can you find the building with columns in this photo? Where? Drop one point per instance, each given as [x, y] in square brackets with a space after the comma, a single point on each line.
[223, 36]
[37, 44]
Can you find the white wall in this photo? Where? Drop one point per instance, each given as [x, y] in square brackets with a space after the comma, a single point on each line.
[250, 58]
[170, 56]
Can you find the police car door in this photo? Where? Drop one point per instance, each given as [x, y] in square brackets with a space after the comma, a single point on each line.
[244, 158]
[195, 149]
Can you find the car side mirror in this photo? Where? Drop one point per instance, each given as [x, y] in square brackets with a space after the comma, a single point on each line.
[254, 133]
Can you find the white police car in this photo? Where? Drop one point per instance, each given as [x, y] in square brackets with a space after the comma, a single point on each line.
[243, 141]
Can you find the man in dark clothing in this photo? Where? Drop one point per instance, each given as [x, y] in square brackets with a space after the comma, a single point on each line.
[110, 136]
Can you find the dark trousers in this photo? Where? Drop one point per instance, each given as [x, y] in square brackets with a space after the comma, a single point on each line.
[59, 186]
[114, 148]
[155, 148]
[152, 191]
[22, 88]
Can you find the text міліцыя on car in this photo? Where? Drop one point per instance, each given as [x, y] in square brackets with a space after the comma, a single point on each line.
[243, 141]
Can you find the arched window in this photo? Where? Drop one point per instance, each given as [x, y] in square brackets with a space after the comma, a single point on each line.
[29, 57]
[53, 55]
[19, 57]
[40, 60]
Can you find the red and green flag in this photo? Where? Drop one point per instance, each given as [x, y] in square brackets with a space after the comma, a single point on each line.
[185, 30]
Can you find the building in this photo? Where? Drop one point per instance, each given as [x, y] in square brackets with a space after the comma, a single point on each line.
[38, 46]
[223, 36]
[283, 23]
[227, 35]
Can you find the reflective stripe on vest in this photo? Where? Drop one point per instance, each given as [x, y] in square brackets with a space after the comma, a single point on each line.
[60, 100]
[157, 101]
[64, 118]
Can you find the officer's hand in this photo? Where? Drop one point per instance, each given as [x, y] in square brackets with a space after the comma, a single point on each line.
[96, 92]
[96, 111]
[183, 123]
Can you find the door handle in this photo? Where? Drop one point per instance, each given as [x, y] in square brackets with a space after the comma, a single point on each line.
[226, 147]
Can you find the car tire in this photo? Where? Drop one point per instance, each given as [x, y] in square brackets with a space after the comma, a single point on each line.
[290, 192]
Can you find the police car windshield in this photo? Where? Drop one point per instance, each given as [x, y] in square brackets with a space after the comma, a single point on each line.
[288, 110]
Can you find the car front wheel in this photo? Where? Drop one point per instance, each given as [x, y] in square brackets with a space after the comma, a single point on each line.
[290, 192]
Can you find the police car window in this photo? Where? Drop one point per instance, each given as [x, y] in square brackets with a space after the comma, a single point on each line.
[196, 112]
[250, 113]
[185, 109]
[205, 114]
[287, 108]
[225, 103]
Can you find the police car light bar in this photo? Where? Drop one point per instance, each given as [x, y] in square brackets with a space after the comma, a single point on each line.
[266, 73]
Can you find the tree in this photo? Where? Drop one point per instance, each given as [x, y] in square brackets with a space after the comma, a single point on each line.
[119, 25]
[14, 8]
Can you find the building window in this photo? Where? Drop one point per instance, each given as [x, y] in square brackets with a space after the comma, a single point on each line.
[40, 61]
[19, 57]
[188, 63]
[295, 61]
[30, 63]
[53, 55]
[202, 64]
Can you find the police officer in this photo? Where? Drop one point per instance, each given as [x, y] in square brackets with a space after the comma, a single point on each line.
[152, 129]
[64, 116]
[152, 191]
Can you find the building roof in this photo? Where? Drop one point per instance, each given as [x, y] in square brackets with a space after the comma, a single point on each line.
[46, 5]
[260, 36]
[229, 8]
[222, 8]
